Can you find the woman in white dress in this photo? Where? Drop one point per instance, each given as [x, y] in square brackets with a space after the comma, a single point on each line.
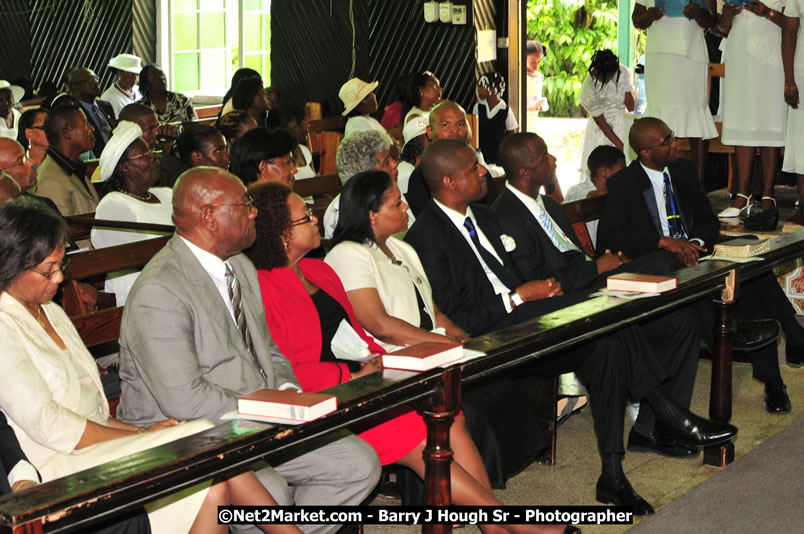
[793, 63]
[51, 392]
[605, 95]
[676, 75]
[754, 114]
[130, 170]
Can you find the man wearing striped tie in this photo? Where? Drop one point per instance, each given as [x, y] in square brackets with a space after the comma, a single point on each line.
[467, 258]
[193, 338]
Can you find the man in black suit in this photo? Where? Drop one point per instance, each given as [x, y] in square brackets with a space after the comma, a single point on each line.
[447, 121]
[464, 253]
[547, 247]
[84, 88]
[656, 203]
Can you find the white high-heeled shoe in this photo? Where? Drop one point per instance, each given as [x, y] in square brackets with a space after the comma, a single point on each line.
[732, 212]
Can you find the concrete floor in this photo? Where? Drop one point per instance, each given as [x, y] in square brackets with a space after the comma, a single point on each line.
[659, 480]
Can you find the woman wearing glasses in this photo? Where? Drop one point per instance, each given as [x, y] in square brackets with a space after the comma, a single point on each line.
[51, 393]
[130, 170]
[305, 303]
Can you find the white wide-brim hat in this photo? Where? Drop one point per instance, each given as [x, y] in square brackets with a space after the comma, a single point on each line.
[123, 135]
[353, 92]
[414, 128]
[17, 91]
[126, 63]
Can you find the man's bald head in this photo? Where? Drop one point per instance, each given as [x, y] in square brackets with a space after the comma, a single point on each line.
[17, 166]
[643, 131]
[448, 121]
[211, 210]
[443, 157]
[145, 118]
[9, 190]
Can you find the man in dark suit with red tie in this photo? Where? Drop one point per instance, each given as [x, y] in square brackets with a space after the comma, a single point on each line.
[656, 203]
[465, 254]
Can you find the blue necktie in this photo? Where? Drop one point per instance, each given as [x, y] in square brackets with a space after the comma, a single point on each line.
[674, 223]
[505, 276]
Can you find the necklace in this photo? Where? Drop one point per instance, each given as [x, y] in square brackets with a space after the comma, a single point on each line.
[39, 317]
[299, 274]
[149, 198]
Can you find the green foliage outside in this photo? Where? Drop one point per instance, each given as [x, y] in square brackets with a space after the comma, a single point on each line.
[572, 30]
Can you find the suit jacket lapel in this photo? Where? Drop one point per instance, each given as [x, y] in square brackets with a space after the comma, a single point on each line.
[452, 233]
[212, 301]
[648, 195]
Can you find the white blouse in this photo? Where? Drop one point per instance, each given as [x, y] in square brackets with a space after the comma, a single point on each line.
[366, 266]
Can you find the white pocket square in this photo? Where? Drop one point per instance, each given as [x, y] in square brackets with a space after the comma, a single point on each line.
[508, 242]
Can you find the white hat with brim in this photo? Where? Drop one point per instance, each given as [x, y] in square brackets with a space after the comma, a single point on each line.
[353, 92]
[123, 135]
[414, 128]
[126, 63]
[17, 91]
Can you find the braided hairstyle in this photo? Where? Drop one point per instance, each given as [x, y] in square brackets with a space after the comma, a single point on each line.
[604, 64]
[493, 82]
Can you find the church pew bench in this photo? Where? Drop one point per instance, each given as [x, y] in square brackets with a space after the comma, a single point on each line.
[71, 502]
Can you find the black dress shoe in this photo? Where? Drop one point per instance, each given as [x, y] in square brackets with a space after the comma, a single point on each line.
[776, 399]
[753, 335]
[638, 442]
[621, 494]
[795, 356]
[694, 431]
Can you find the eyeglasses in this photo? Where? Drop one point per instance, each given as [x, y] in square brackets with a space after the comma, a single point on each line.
[304, 220]
[20, 164]
[60, 269]
[41, 127]
[248, 204]
[667, 141]
[148, 153]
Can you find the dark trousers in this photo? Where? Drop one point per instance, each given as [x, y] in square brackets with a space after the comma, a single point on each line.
[624, 363]
[759, 298]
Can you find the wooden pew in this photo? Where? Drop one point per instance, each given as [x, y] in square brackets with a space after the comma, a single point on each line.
[94, 264]
[73, 502]
[580, 212]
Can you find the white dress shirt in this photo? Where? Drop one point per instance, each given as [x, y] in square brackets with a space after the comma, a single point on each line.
[657, 181]
[458, 220]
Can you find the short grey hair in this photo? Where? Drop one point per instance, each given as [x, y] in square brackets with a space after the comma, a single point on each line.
[358, 152]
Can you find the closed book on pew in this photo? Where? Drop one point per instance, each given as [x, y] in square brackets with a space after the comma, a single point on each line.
[641, 283]
[423, 356]
[743, 247]
[288, 404]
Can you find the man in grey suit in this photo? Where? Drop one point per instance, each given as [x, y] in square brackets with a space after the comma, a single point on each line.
[193, 337]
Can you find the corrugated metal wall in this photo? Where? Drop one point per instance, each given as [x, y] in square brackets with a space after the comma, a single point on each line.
[43, 39]
[144, 30]
[15, 40]
[311, 48]
[78, 33]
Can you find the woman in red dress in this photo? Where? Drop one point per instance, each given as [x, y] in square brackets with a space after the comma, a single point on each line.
[305, 303]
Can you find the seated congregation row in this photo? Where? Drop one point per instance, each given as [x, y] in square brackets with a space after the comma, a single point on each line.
[233, 325]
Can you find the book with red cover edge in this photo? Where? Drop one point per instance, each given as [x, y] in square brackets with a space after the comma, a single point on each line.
[286, 404]
[423, 356]
[641, 283]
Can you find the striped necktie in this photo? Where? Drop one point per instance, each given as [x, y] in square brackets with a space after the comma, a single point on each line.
[240, 318]
[556, 235]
